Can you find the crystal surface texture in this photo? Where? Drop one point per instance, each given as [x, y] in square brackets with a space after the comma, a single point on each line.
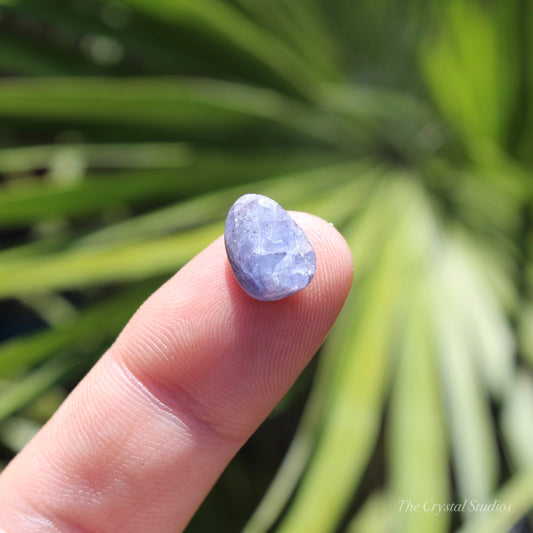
[269, 253]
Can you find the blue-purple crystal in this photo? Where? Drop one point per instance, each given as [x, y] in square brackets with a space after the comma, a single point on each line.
[269, 253]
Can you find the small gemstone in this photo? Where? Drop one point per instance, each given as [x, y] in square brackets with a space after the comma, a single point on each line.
[269, 253]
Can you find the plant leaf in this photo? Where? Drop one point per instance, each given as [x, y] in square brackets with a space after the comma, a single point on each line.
[511, 502]
[355, 398]
[376, 515]
[86, 331]
[474, 447]
[517, 421]
[418, 444]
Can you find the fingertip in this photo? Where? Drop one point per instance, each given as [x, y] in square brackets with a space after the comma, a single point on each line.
[192, 375]
[335, 265]
[202, 330]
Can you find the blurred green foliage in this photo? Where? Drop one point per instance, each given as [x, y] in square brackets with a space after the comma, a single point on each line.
[128, 127]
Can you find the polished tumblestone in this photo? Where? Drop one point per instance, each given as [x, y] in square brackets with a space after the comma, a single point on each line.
[268, 252]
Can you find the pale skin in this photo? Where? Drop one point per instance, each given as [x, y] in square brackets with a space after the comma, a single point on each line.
[142, 439]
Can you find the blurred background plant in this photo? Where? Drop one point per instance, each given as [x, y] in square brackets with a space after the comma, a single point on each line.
[127, 129]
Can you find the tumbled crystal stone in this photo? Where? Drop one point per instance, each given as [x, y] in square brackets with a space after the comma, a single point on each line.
[269, 253]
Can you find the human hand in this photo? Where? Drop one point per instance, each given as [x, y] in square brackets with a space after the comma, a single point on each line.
[142, 439]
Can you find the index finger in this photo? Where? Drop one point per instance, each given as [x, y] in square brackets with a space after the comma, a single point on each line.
[142, 439]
